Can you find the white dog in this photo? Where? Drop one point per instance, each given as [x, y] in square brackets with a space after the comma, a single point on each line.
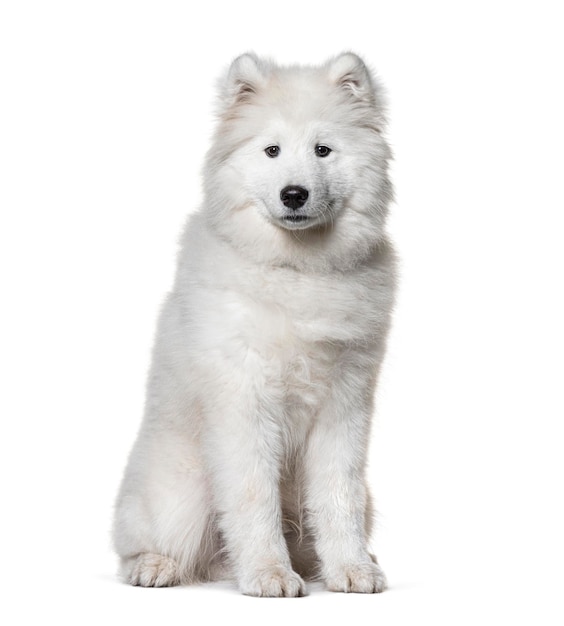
[250, 461]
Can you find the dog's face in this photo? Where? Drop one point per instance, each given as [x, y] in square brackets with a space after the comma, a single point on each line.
[298, 147]
[295, 173]
[299, 163]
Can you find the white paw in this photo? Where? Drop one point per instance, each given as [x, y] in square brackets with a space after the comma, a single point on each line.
[275, 582]
[358, 578]
[152, 570]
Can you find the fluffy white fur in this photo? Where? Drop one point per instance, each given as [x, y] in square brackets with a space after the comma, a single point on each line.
[250, 461]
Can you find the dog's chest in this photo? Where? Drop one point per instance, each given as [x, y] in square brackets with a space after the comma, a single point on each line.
[312, 310]
[303, 327]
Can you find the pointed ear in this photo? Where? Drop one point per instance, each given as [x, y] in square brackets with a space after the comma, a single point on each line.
[348, 72]
[243, 79]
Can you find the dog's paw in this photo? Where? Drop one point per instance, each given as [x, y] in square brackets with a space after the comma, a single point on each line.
[275, 582]
[357, 578]
[152, 570]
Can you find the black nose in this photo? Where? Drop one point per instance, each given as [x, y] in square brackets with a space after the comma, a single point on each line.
[294, 197]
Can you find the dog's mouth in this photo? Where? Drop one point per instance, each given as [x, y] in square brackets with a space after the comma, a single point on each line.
[295, 218]
[296, 222]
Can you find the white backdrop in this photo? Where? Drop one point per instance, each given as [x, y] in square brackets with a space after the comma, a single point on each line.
[105, 115]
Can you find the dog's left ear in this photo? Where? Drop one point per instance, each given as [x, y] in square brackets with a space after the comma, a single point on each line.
[348, 71]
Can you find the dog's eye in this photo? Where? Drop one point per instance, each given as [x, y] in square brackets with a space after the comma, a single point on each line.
[322, 151]
[272, 151]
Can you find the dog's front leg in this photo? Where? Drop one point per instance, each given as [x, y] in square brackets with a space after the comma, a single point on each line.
[243, 448]
[336, 492]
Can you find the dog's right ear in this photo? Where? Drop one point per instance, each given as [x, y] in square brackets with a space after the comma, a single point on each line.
[243, 80]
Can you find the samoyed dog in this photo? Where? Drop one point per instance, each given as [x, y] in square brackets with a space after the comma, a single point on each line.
[250, 461]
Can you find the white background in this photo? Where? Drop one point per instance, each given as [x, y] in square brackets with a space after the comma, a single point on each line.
[105, 115]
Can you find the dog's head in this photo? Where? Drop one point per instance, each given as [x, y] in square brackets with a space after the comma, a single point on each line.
[299, 158]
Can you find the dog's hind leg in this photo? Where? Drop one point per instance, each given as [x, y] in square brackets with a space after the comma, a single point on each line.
[164, 531]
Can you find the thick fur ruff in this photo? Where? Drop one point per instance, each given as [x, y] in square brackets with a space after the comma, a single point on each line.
[250, 461]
